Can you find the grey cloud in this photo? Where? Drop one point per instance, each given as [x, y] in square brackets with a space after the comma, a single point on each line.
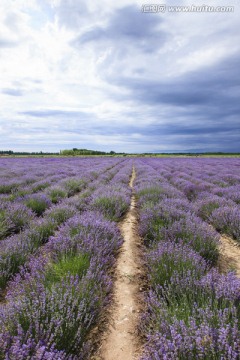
[72, 14]
[5, 43]
[12, 92]
[127, 26]
[199, 108]
[212, 92]
[193, 142]
[12, 21]
[54, 113]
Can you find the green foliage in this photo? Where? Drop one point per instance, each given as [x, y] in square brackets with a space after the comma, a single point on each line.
[153, 231]
[17, 194]
[57, 194]
[76, 151]
[7, 188]
[150, 196]
[59, 215]
[37, 205]
[184, 299]
[4, 229]
[112, 207]
[39, 187]
[36, 237]
[206, 210]
[73, 186]
[162, 271]
[69, 264]
[12, 263]
[40, 233]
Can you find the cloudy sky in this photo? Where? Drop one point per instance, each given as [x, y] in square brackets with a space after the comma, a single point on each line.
[107, 75]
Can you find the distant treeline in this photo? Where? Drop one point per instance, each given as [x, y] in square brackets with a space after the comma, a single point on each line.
[76, 151]
[10, 152]
[72, 152]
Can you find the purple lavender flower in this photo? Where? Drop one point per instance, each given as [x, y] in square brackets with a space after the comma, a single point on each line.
[227, 220]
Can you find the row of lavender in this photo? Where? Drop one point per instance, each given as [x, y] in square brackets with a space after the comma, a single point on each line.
[212, 185]
[193, 311]
[57, 296]
[26, 192]
[24, 176]
[14, 250]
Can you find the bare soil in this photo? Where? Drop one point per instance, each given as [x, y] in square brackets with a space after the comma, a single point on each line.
[121, 340]
[229, 255]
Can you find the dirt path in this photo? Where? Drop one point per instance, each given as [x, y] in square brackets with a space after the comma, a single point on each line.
[121, 341]
[229, 255]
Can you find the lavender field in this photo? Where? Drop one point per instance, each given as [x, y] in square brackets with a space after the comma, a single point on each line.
[60, 240]
[192, 309]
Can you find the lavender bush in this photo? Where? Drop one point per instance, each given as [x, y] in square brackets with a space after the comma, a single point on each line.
[57, 297]
[56, 193]
[13, 218]
[111, 201]
[194, 319]
[169, 258]
[205, 207]
[194, 232]
[227, 219]
[37, 202]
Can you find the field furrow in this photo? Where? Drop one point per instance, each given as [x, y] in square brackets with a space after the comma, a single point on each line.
[121, 339]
